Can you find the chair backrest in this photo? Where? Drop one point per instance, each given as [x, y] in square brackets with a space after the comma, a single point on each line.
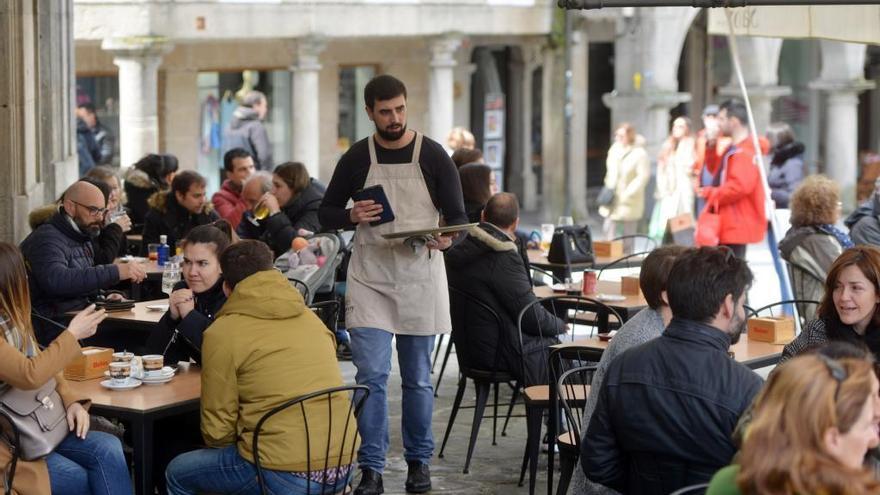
[332, 461]
[328, 312]
[10, 436]
[634, 241]
[692, 490]
[536, 272]
[624, 262]
[468, 312]
[303, 288]
[572, 390]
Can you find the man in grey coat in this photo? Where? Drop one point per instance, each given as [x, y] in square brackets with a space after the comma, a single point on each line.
[246, 130]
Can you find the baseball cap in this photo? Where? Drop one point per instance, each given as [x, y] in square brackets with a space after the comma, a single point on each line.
[711, 110]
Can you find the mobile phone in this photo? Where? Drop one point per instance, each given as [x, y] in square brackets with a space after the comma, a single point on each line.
[377, 194]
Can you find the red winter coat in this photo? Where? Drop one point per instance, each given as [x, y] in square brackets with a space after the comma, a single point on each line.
[740, 197]
[228, 203]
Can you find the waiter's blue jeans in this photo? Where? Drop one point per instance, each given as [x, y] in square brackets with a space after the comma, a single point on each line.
[371, 354]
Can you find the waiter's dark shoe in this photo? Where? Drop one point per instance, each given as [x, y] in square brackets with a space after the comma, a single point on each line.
[418, 477]
[371, 483]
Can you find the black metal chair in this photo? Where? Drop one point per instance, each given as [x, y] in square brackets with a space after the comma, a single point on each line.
[692, 490]
[358, 394]
[545, 273]
[624, 262]
[537, 398]
[464, 308]
[649, 243]
[10, 436]
[302, 288]
[328, 312]
[572, 390]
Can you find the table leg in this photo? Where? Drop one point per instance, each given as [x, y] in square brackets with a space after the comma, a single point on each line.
[142, 437]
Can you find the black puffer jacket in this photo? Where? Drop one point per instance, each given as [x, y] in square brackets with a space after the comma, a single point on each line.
[167, 217]
[666, 412]
[488, 266]
[278, 230]
[138, 188]
[61, 271]
[191, 327]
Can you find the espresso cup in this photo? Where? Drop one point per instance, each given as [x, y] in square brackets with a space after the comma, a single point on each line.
[125, 357]
[153, 364]
[120, 371]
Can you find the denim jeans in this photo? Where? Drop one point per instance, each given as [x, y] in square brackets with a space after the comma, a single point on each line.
[225, 471]
[94, 465]
[371, 354]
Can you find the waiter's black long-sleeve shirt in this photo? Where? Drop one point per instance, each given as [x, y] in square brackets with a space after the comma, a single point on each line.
[441, 178]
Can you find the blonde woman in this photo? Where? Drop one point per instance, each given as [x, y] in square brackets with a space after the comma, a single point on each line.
[627, 174]
[674, 193]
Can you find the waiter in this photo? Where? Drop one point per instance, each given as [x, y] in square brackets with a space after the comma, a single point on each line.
[393, 289]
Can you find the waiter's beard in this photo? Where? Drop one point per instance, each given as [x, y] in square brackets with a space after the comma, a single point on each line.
[391, 135]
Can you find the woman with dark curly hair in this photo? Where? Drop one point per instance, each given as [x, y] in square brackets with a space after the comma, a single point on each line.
[813, 242]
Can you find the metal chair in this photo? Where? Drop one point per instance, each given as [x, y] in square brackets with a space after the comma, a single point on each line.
[572, 390]
[546, 273]
[624, 262]
[302, 288]
[328, 312]
[358, 394]
[10, 436]
[464, 307]
[649, 243]
[537, 398]
[692, 490]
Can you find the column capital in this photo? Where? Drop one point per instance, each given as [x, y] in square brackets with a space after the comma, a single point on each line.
[653, 99]
[769, 92]
[137, 46]
[308, 52]
[443, 50]
[853, 86]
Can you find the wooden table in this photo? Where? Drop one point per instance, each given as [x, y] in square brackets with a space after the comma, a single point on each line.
[627, 308]
[562, 271]
[141, 407]
[751, 353]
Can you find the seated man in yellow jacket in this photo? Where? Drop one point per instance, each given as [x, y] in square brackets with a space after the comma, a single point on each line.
[264, 348]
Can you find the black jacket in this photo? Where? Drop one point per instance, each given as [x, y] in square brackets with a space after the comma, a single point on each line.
[488, 266]
[61, 270]
[191, 327]
[278, 230]
[167, 217]
[138, 189]
[666, 412]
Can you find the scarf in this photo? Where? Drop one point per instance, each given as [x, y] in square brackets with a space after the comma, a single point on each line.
[841, 236]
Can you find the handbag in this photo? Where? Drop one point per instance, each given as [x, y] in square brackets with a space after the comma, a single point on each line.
[606, 196]
[571, 244]
[39, 417]
[708, 231]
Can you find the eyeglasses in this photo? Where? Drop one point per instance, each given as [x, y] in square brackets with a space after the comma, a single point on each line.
[93, 210]
[837, 372]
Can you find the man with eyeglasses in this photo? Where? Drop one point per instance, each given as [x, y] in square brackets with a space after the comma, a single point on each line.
[60, 259]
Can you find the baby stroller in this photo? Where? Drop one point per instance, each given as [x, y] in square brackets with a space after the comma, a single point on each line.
[309, 278]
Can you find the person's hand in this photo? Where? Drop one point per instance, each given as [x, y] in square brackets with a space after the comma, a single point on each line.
[124, 223]
[442, 242]
[85, 323]
[271, 202]
[131, 271]
[365, 211]
[181, 303]
[78, 417]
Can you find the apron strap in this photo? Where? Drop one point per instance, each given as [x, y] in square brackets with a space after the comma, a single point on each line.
[417, 150]
[372, 145]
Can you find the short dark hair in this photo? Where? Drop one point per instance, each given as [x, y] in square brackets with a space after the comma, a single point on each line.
[736, 108]
[218, 233]
[464, 156]
[295, 175]
[502, 210]
[157, 166]
[243, 259]
[476, 183]
[88, 107]
[701, 278]
[231, 155]
[381, 88]
[184, 180]
[654, 275]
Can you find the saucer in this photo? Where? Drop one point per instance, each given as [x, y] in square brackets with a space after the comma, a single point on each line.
[158, 381]
[165, 372]
[157, 307]
[128, 384]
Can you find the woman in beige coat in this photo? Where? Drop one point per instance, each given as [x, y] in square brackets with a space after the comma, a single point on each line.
[85, 462]
[627, 174]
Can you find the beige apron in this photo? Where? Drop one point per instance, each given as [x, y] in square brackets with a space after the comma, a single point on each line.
[389, 286]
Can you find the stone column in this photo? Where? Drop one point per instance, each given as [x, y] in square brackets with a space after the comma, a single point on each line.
[842, 79]
[441, 116]
[306, 111]
[577, 145]
[531, 61]
[759, 58]
[138, 60]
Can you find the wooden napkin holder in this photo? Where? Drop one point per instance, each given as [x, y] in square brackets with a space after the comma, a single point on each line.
[775, 330]
[92, 363]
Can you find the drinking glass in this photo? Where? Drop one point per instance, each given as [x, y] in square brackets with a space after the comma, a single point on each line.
[153, 251]
[546, 236]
